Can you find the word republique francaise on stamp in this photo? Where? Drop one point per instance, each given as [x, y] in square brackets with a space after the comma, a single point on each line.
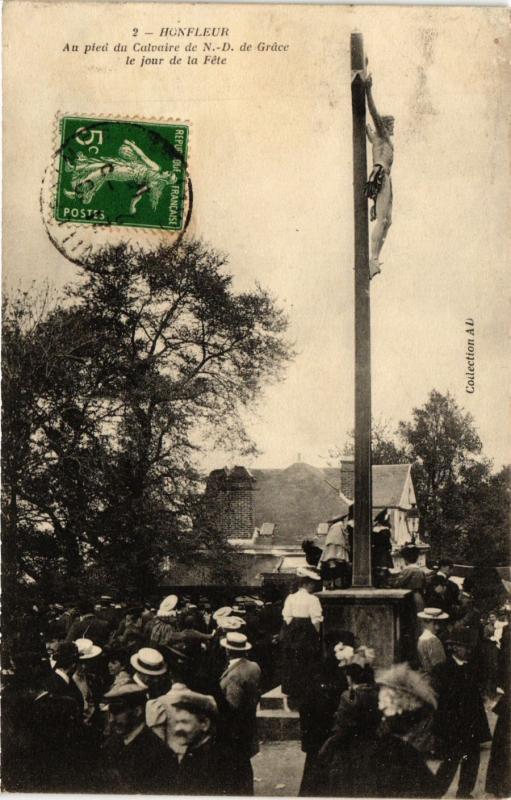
[123, 173]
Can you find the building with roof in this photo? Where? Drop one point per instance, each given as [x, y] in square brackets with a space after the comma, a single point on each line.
[267, 513]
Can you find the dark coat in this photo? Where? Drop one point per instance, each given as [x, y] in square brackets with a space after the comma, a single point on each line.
[321, 775]
[312, 554]
[216, 659]
[110, 616]
[381, 549]
[132, 637]
[143, 766]
[343, 767]
[240, 692]
[460, 717]
[58, 687]
[90, 627]
[300, 646]
[208, 627]
[206, 770]
[319, 706]
[364, 765]
[399, 770]
[66, 620]
[445, 600]
[498, 776]
[44, 744]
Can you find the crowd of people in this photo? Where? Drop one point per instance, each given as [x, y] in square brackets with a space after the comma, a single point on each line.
[162, 697]
[368, 735]
[151, 698]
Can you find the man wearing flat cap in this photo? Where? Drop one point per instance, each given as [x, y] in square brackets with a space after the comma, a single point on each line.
[134, 759]
[202, 765]
[460, 721]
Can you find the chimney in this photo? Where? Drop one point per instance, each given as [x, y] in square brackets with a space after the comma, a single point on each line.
[231, 493]
[348, 478]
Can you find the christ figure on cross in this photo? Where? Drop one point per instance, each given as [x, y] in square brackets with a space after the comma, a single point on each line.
[379, 185]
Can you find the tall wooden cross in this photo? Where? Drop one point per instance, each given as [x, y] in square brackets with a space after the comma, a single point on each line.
[363, 487]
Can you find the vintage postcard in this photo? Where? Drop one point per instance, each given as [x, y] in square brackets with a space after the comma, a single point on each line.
[255, 382]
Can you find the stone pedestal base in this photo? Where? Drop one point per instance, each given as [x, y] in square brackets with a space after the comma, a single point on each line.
[383, 619]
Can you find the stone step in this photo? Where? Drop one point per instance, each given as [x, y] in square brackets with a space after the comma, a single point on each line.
[278, 726]
[274, 699]
[275, 720]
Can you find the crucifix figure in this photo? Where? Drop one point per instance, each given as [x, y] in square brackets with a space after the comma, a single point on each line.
[379, 185]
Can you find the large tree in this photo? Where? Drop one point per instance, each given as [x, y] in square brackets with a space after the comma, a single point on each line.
[464, 505]
[442, 441]
[54, 455]
[476, 519]
[156, 357]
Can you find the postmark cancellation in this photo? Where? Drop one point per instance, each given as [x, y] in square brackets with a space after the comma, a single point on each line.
[116, 179]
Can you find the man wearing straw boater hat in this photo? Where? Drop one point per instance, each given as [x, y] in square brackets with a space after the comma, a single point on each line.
[216, 658]
[429, 647]
[88, 678]
[150, 671]
[238, 699]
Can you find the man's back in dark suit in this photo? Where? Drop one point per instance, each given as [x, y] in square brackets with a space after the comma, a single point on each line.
[238, 699]
[89, 627]
[460, 716]
[143, 766]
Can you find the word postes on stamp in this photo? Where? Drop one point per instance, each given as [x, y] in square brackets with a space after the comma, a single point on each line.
[122, 173]
[113, 181]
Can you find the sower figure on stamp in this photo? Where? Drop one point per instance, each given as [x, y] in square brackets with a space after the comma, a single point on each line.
[379, 185]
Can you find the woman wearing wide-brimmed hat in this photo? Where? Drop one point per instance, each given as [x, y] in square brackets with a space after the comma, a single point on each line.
[362, 761]
[407, 702]
[165, 625]
[343, 766]
[302, 614]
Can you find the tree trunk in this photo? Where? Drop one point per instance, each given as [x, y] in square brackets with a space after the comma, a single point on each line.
[10, 563]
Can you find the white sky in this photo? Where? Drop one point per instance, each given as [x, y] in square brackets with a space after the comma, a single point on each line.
[271, 167]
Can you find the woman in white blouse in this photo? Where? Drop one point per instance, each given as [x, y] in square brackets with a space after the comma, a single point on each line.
[303, 616]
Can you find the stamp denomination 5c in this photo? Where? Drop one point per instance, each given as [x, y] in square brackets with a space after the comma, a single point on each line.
[122, 173]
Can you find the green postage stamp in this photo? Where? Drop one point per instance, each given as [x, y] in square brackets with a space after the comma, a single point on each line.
[121, 172]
